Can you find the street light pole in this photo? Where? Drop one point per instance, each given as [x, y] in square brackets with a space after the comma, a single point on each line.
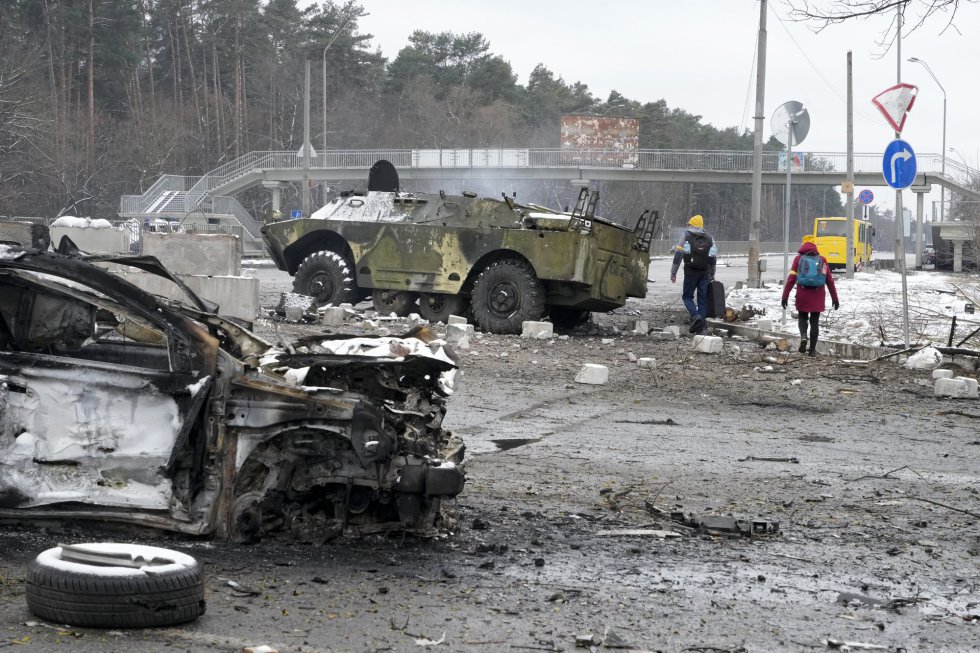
[942, 189]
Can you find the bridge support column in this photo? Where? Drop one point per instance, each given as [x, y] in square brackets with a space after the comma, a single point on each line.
[920, 192]
[958, 255]
[276, 188]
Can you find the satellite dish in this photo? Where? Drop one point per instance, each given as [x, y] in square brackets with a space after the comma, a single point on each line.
[791, 118]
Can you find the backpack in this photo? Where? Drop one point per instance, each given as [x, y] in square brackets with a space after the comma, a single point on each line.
[811, 271]
[699, 258]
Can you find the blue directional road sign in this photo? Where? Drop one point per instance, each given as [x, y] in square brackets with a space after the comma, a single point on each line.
[866, 196]
[898, 165]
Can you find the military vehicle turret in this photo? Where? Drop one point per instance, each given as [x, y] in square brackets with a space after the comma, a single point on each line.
[436, 254]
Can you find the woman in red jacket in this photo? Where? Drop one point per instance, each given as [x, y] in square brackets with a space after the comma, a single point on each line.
[810, 299]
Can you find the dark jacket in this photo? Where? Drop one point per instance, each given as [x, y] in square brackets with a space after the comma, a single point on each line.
[682, 251]
[809, 300]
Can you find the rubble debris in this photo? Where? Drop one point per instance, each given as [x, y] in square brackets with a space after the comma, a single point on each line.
[927, 358]
[537, 330]
[848, 646]
[790, 459]
[960, 387]
[708, 344]
[593, 374]
[726, 524]
[638, 532]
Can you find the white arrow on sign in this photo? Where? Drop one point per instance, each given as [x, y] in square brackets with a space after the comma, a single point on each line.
[901, 154]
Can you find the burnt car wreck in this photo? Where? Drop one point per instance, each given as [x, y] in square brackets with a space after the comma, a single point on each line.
[120, 406]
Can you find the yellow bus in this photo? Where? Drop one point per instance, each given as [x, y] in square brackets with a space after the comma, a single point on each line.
[830, 237]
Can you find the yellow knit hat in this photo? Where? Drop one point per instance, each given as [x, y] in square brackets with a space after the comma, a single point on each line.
[696, 221]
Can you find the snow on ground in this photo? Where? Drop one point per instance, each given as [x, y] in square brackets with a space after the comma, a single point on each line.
[871, 307]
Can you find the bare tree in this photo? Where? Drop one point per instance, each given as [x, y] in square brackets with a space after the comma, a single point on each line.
[822, 13]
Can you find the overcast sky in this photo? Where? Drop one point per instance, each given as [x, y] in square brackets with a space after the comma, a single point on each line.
[699, 55]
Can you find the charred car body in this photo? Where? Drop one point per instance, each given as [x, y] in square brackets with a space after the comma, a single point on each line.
[502, 261]
[120, 406]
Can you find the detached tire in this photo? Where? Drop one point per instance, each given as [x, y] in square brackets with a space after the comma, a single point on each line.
[80, 594]
[506, 294]
[326, 277]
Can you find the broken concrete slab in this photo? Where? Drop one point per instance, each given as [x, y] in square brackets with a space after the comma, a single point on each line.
[708, 344]
[957, 388]
[456, 334]
[537, 330]
[333, 316]
[593, 374]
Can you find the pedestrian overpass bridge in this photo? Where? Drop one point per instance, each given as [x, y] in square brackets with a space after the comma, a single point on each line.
[210, 198]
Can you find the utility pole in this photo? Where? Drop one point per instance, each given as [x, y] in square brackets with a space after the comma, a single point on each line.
[306, 145]
[850, 170]
[754, 280]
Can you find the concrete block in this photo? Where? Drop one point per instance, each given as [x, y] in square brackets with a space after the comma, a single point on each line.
[456, 333]
[954, 388]
[640, 327]
[203, 254]
[592, 374]
[942, 374]
[26, 234]
[333, 316]
[96, 240]
[538, 330]
[672, 331]
[456, 319]
[647, 363]
[235, 296]
[708, 344]
[764, 324]
[971, 386]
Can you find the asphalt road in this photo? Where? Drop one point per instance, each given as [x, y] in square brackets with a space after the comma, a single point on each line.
[873, 483]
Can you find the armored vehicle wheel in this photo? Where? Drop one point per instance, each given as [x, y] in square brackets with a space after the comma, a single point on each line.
[394, 301]
[566, 318]
[506, 294]
[326, 277]
[437, 307]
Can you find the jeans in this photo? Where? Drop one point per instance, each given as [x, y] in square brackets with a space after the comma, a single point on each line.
[696, 281]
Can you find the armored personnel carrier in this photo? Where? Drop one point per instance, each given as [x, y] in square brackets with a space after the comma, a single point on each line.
[496, 260]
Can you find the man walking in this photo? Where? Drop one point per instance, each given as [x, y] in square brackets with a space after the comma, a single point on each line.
[697, 249]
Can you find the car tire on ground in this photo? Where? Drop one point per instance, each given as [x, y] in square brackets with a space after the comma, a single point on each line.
[437, 307]
[506, 294]
[400, 303]
[326, 276]
[168, 590]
